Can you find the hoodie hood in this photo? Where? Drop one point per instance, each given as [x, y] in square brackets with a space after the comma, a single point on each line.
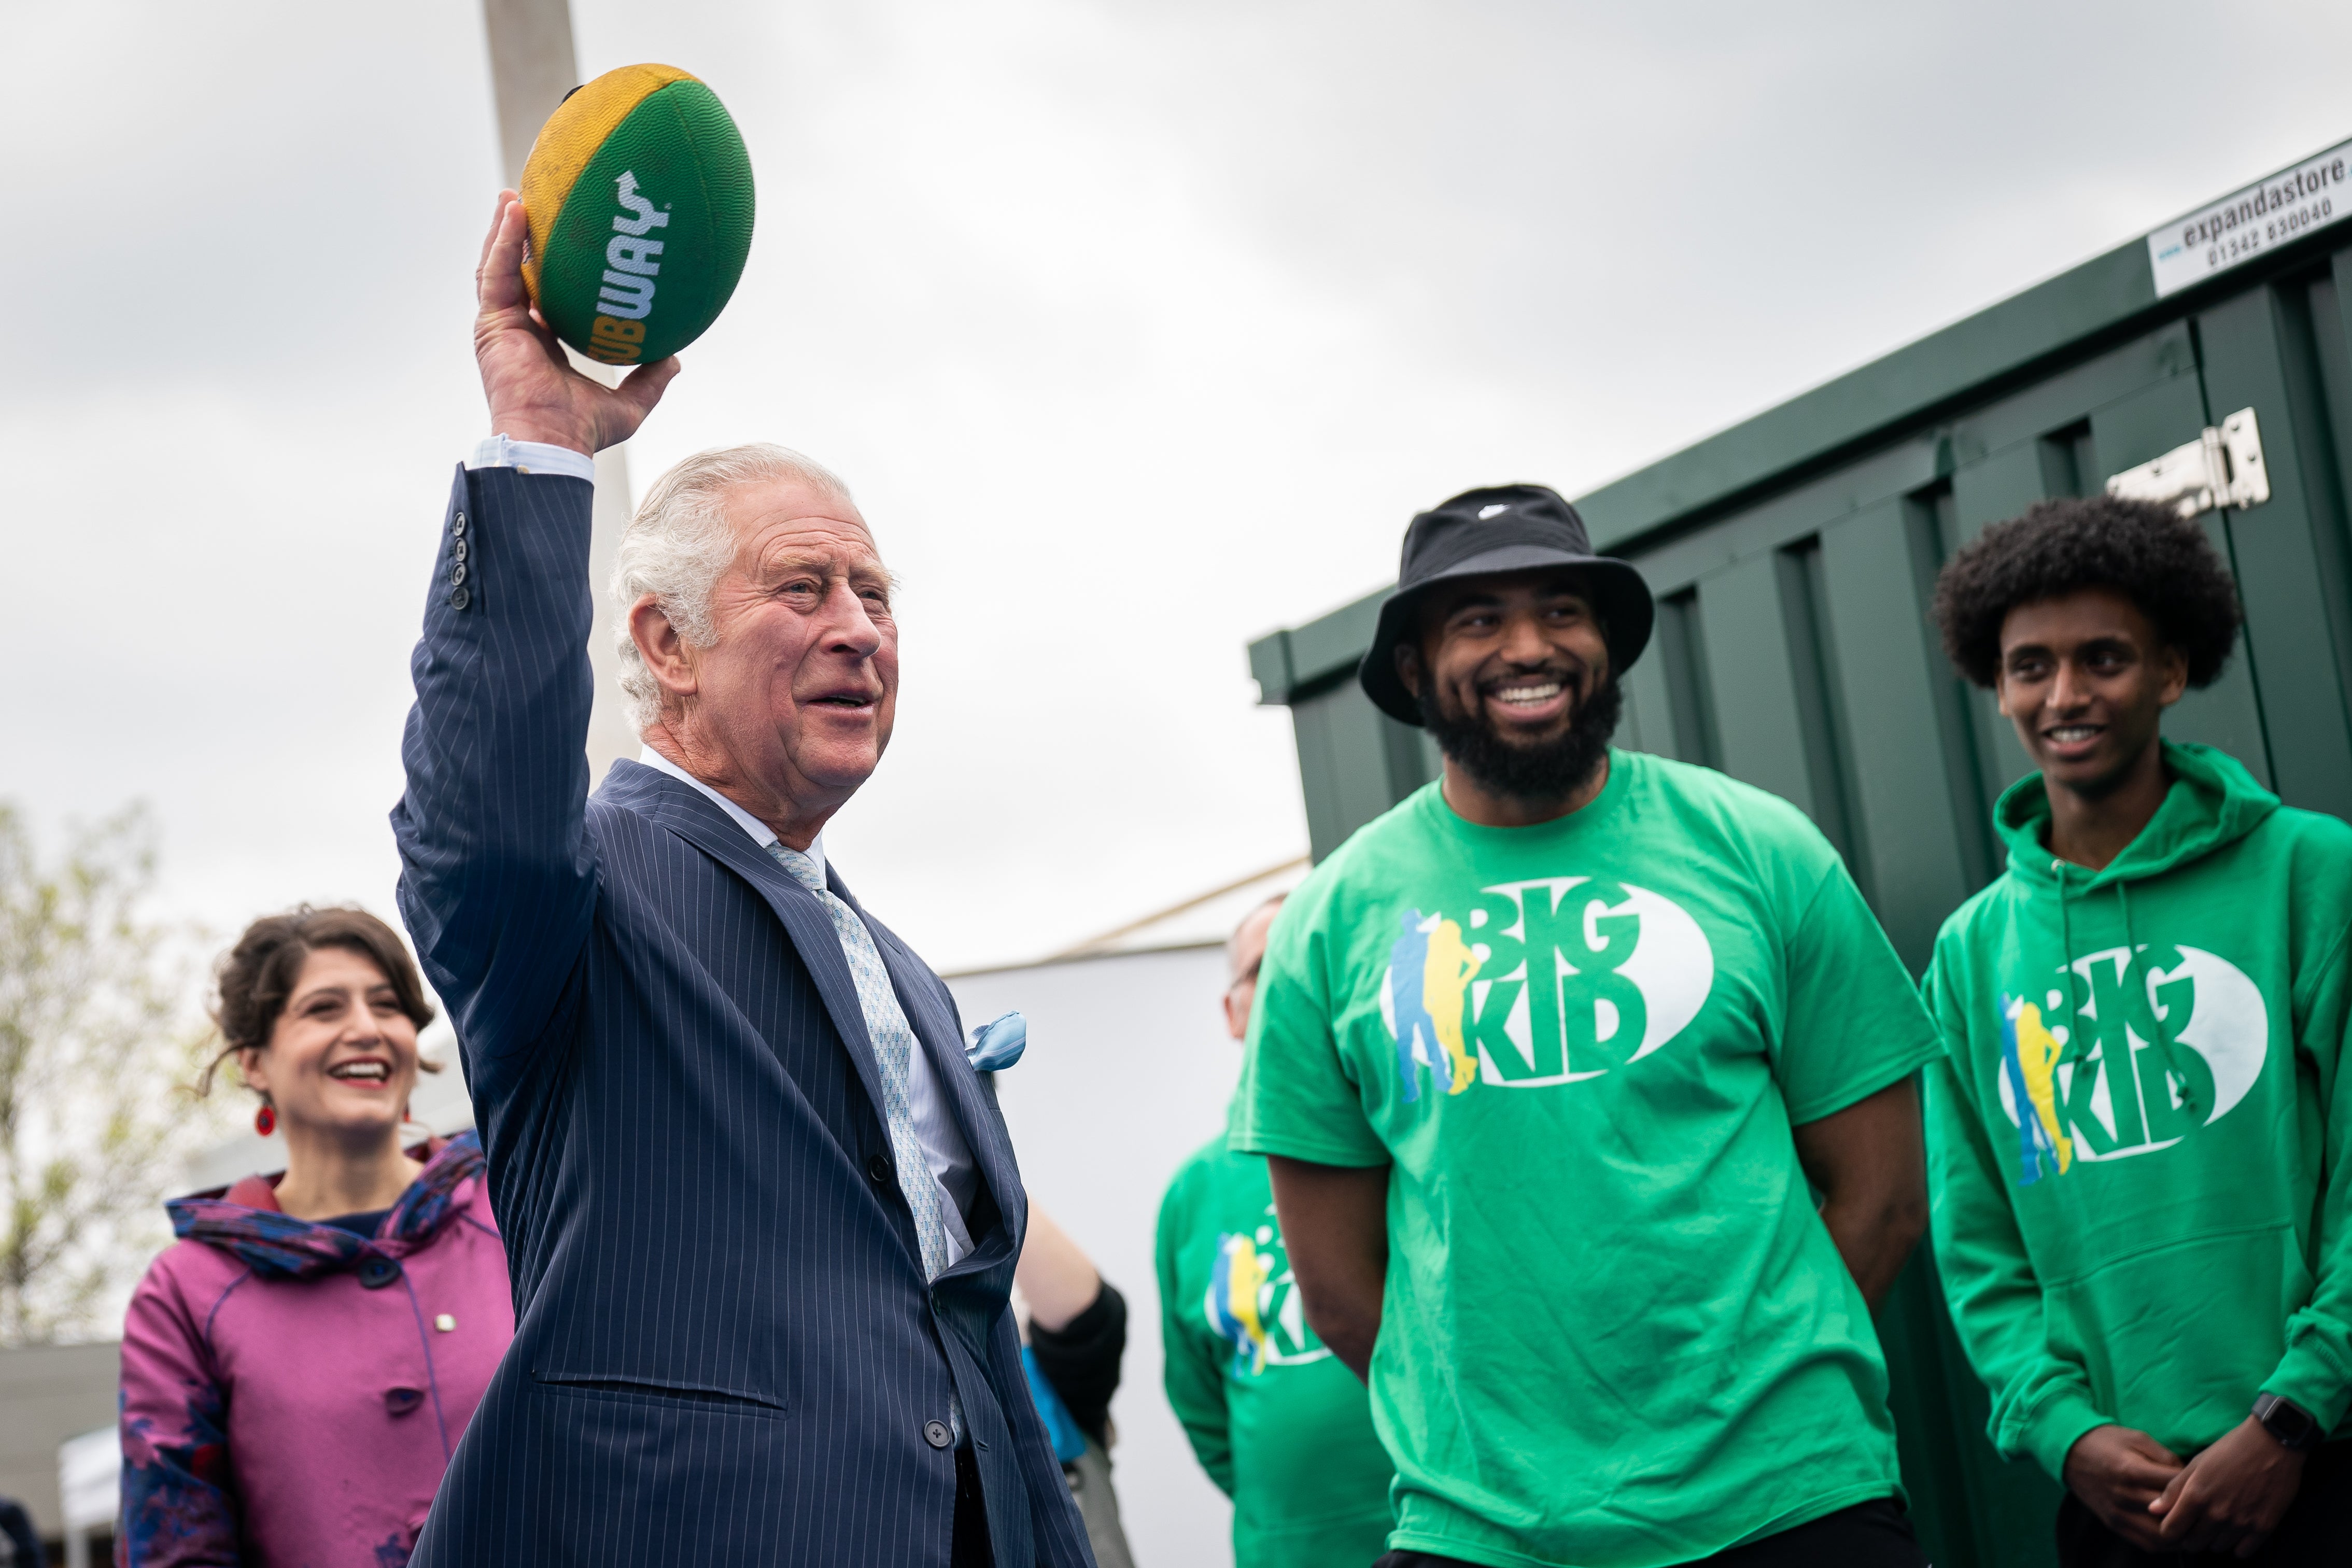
[2213, 802]
[244, 1219]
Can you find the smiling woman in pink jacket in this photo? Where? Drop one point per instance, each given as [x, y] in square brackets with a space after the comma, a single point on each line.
[298, 1367]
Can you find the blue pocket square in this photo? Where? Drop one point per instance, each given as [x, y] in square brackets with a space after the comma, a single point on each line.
[997, 1046]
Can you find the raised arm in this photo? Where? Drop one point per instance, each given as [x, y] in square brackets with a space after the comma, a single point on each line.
[496, 881]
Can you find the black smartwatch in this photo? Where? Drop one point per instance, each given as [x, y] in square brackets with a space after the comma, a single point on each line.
[2293, 1426]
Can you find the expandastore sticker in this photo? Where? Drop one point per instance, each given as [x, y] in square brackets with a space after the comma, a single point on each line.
[2244, 224]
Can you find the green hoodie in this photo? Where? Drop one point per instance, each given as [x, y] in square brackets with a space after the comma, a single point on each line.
[2152, 1244]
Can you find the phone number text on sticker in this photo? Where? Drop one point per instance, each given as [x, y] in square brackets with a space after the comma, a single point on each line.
[2246, 222]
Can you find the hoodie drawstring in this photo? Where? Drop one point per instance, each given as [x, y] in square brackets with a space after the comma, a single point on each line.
[2176, 1081]
[2131, 950]
[2066, 963]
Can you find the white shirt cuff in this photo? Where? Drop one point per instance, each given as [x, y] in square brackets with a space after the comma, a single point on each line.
[533, 457]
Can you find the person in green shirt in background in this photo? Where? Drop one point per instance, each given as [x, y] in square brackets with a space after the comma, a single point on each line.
[1549, 1060]
[2140, 1138]
[1281, 1425]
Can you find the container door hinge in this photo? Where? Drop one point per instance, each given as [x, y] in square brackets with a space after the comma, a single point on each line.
[2221, 468]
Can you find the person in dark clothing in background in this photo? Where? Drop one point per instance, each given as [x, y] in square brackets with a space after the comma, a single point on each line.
[19, 1547]
[1076, 1333]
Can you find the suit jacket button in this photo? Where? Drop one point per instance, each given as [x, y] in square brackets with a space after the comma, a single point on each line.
[456, 574]
[457, 524]
[460, 598]
[877, 1169]
[936, 1435]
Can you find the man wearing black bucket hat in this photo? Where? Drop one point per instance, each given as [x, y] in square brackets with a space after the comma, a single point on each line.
[1546, 1059]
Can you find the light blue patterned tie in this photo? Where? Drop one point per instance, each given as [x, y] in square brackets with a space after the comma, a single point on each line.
[893, 1047]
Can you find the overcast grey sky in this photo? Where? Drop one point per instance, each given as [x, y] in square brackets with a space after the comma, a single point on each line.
[1138, 330]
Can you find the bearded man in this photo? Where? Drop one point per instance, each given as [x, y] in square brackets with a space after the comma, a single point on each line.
[1602, 1320]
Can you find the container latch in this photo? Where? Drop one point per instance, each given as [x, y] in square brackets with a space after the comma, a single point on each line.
[2222, 468]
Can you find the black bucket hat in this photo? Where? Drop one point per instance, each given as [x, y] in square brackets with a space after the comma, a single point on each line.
[1504, 528]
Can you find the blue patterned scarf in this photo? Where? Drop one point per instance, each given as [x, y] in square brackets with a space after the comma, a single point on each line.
[283, 1247]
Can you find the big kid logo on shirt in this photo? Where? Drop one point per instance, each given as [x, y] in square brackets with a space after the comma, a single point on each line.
[1550, 981]
[2130, 1053]
[1253, 1302]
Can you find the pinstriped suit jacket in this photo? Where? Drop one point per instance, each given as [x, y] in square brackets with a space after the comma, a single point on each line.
[725, 1350]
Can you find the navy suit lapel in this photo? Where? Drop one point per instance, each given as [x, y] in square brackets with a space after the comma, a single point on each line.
[690, 814]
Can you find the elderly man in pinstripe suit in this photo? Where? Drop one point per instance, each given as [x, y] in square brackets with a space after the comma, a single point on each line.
[762, 1214]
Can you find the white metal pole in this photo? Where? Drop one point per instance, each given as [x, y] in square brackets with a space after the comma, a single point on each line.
[531, 67]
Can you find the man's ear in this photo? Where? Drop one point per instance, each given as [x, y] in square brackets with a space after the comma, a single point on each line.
[2171, 675]
[667, 655]
[1408, 668]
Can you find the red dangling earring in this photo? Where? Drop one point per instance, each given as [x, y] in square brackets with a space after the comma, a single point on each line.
[264, 1121]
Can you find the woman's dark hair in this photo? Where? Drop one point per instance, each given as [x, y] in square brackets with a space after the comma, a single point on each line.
[2151, 555]
[258, 975]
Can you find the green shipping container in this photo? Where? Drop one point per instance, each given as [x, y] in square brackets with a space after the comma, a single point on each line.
[1792, 556]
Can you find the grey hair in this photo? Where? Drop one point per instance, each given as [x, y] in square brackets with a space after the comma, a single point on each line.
[680, 544]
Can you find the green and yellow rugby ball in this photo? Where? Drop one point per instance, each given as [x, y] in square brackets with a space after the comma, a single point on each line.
[639, 193]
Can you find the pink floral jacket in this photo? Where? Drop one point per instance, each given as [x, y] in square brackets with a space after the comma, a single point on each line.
[292, 1391]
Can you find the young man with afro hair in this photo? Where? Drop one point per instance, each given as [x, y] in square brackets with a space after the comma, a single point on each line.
[2140, 1135]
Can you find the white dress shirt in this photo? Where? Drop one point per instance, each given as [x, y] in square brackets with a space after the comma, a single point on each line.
[944, 1149]
[533, 457]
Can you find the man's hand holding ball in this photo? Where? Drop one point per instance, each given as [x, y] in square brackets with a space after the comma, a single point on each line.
[534, 394]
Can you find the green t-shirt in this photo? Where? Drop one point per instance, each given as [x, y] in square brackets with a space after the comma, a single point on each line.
[1615, 1332]
[1279, 1422]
